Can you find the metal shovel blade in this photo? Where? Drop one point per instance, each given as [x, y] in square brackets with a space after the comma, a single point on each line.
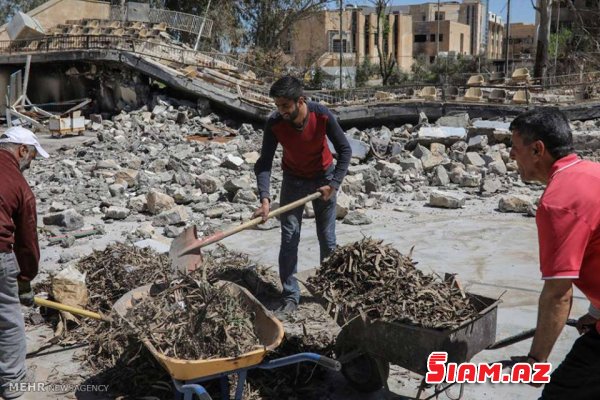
[181, 260]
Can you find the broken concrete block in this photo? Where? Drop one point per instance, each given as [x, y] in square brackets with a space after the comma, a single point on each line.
[477, 143]
[251, 157]
[353, 184]
[158, 202]
[410, 164]
[115, 212]
[232, 162]
[116, 189]
[472, 158]
[107, 164]
[128, 176]
[388, 169]
[497, 167]
[440, 176]
[357, 218]
[245, 196]
[233, 185]
[208, 184]
[68, 219]
[342, 205]
[514, 203]
[137, 203]
[470, 180]
[455, 121]
[446, 199]
[174, 216]
[491, 186]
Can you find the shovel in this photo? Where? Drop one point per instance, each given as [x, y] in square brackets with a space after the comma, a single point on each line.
[185, 252]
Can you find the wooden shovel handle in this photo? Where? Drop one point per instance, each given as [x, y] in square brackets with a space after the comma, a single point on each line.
[253, 222]
[63, 307]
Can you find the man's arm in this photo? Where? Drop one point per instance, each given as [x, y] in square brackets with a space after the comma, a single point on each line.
[342, 148]
[26, 246]
[553, 312]
[263, 165]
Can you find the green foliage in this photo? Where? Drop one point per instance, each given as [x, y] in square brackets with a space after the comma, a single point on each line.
[450, 70]
[564, 38]
[364, 71]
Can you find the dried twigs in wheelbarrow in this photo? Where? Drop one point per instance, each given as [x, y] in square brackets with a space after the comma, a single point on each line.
[211, 324]
[377, 279]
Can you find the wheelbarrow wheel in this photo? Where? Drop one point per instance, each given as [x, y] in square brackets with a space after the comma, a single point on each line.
[366, 373]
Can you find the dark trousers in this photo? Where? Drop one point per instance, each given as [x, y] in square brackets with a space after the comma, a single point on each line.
[292, 189]
[578, 376]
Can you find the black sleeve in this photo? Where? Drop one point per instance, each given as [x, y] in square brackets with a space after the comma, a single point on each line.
[263, 165]
[340, 143]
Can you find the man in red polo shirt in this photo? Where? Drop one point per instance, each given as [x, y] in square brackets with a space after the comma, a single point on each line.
[568, 221]
[302, 128]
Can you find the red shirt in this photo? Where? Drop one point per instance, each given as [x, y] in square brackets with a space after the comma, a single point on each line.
[18, 217]
[306, 153]
[568, 221]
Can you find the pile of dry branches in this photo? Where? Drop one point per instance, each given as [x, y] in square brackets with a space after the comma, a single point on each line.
[370, 277]
[194, 320]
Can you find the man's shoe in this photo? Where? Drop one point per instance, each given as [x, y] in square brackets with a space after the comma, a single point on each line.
[8, 391]
[289, 307]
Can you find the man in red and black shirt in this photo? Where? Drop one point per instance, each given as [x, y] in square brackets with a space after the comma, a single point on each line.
[302, 128]
[19, 253]
[568, 221]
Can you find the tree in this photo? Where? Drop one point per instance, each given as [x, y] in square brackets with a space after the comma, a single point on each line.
[540, 69]
[265, 20]
[387, 59]
[8, 8]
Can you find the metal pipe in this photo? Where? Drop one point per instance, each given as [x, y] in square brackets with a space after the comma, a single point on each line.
[202, 26]
[341, 45]
[438, 30]
[507, 38]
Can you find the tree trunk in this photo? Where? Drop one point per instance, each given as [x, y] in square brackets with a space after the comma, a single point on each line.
[540, 69]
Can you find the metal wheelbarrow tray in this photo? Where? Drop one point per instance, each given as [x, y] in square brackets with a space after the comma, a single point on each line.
[367, 347]
[186, 373]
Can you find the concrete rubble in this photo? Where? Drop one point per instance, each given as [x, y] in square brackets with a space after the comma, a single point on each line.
[143, 168]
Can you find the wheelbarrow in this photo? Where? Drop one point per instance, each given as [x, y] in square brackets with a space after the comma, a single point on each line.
[366, 348]
[188, 374]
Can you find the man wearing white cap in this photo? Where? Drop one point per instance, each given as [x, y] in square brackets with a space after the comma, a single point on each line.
[19, 253]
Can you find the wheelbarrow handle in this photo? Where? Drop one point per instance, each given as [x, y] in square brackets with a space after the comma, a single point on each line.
[249, 224]
[521, 336]
[329, 363]
[73, 310]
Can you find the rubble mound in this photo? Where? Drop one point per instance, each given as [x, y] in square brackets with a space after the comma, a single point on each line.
[377, 280]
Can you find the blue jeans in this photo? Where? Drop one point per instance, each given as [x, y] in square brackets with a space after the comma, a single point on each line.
[292, 189]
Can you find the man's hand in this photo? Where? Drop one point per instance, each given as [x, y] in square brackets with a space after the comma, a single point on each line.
[263, 210]
[585, 323]
[25, 293]
[327, 192]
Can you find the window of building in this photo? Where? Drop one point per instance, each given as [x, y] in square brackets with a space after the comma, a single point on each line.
[462, 43]
[420, 38]
[591, 3]
[432, 37]
[431, 59]
[335, 48]
[424, 18]
[440, 16]
[441, 37]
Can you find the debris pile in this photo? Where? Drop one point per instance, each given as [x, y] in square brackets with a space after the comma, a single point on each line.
[194, 320]
[375, 279]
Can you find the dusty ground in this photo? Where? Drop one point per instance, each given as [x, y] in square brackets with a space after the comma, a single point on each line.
[494, 254]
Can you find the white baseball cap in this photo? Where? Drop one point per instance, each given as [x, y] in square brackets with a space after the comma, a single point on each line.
[19, 135]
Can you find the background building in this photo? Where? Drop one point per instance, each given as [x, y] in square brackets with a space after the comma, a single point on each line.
[521, 44]
[494, 47]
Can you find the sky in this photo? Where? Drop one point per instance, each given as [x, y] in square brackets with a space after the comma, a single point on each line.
[520, 10]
